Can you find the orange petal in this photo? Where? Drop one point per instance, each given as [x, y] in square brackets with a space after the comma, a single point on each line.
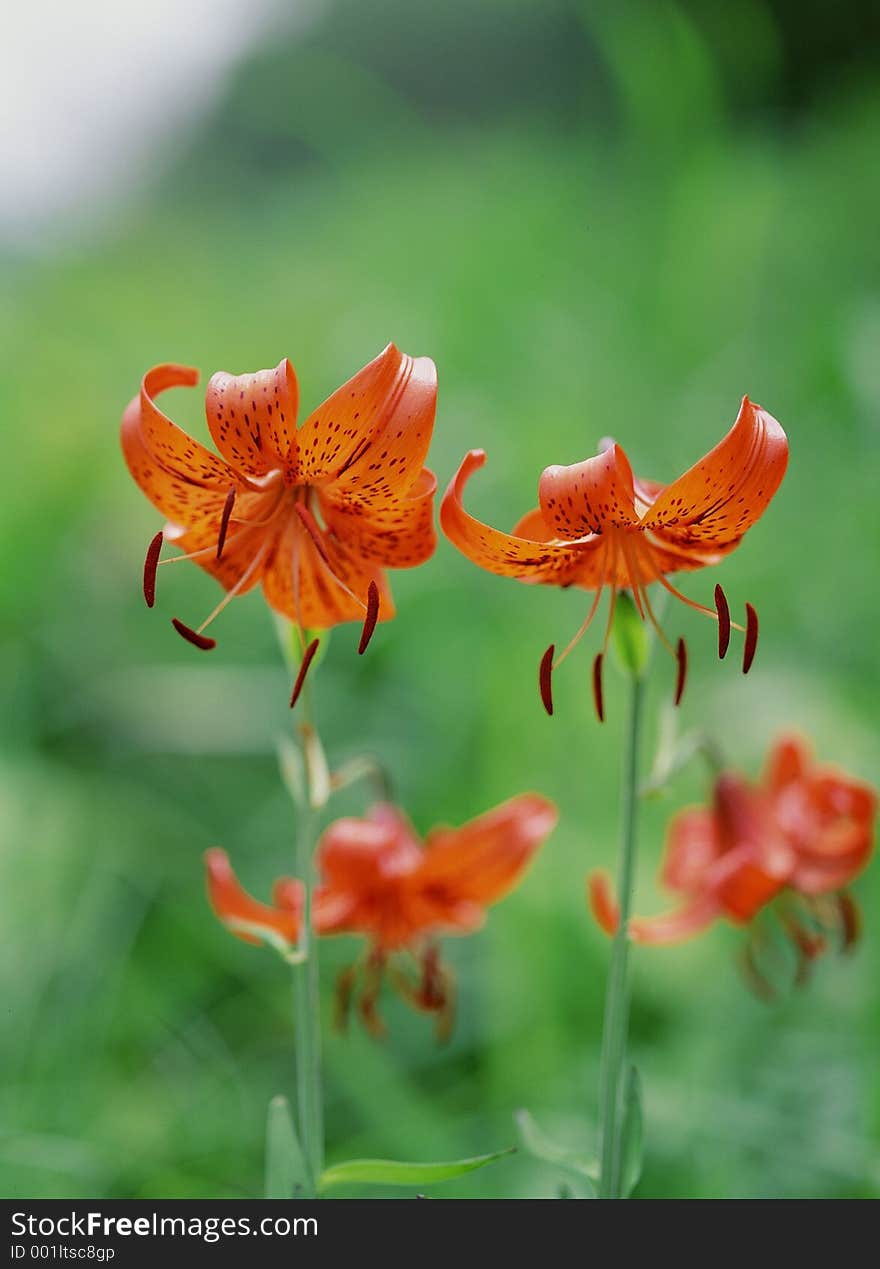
[370, 438]
[482, 861]
[528, 560]
[666, 928]
[603, 905]
[588, 497]
[675, 927]
[317, 592]
[243, 915]
[692, 846]
[173, 448]
[720, 497]
[788, 761]
[399, 535]
[252, 419]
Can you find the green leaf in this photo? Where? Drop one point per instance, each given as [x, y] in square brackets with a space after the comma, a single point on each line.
[537, 1143]
[392, 1172]
[631, 1134]
[286, 1172]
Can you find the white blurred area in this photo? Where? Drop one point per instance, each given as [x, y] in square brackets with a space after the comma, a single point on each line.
[90, 90]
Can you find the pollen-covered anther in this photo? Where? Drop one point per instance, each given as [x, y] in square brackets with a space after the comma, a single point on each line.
[598, 697]
[371, 618]
[681, 658]
[308, 658]
[545, 679]
[723, 610]
[751, 639]
[151, 564]
[224, 520]
[205, 642]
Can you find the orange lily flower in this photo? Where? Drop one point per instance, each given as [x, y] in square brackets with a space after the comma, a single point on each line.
[315, 514]
[277, 924]
[598, 525]
[798, 836]
[378, 880]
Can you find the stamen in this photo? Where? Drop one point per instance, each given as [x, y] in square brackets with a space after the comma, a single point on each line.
[597, 687]
[311, 527]
[681, 657]
[224, 520]
[591, 614]
[308, 657]
[722, 608]
[371, 618]
[545, 682]
[850, 920]
[193, 636]
[692, 603]
[151, 563]
[751, 641]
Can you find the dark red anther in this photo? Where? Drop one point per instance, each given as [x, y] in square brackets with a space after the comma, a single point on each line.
[193, 636]
[751, 641]
[224, 520]
[598, 699]
[849, 920]
[371, 618]
[151, 563]
[545, 679]
[723, 609]
[681, 656]
[311, 527]
[308, 658]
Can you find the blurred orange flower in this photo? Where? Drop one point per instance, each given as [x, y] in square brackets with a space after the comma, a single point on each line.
[314, 514]
[379, 880]
[597, 525]
[277, 924]
[800, 835]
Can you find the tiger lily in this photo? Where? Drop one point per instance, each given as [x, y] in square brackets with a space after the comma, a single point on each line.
[795, 839]
[278, 924]
[314, 514]
[378, 880]
[598, 526]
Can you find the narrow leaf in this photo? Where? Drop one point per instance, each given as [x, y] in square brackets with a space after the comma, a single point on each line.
[392, 1172]
[537, 1143]
[631, 1136]
[286, 1172]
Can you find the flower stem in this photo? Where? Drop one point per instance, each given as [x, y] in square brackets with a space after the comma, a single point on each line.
[307, 1017]
[616, 1022]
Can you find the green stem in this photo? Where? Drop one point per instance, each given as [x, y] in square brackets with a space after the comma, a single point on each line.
[307, 1017]
[616, 1022]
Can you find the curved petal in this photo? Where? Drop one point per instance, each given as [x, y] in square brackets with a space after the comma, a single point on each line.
[355, 854]
[243, 915]
[315, 592]
[252, 418]
[603, 904]
[675, 927]
[483, 860]
[788, 761]
[589, 497]
[400, 535]
[173, 448]
[668, 927]
[722, 495]
[370, 438]
[526, 559]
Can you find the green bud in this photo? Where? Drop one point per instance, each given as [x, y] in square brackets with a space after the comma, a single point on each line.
[629, 637]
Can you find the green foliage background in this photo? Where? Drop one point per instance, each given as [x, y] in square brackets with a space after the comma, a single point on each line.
[597, 219]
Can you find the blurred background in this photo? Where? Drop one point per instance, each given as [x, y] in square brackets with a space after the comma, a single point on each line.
[597, 218]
